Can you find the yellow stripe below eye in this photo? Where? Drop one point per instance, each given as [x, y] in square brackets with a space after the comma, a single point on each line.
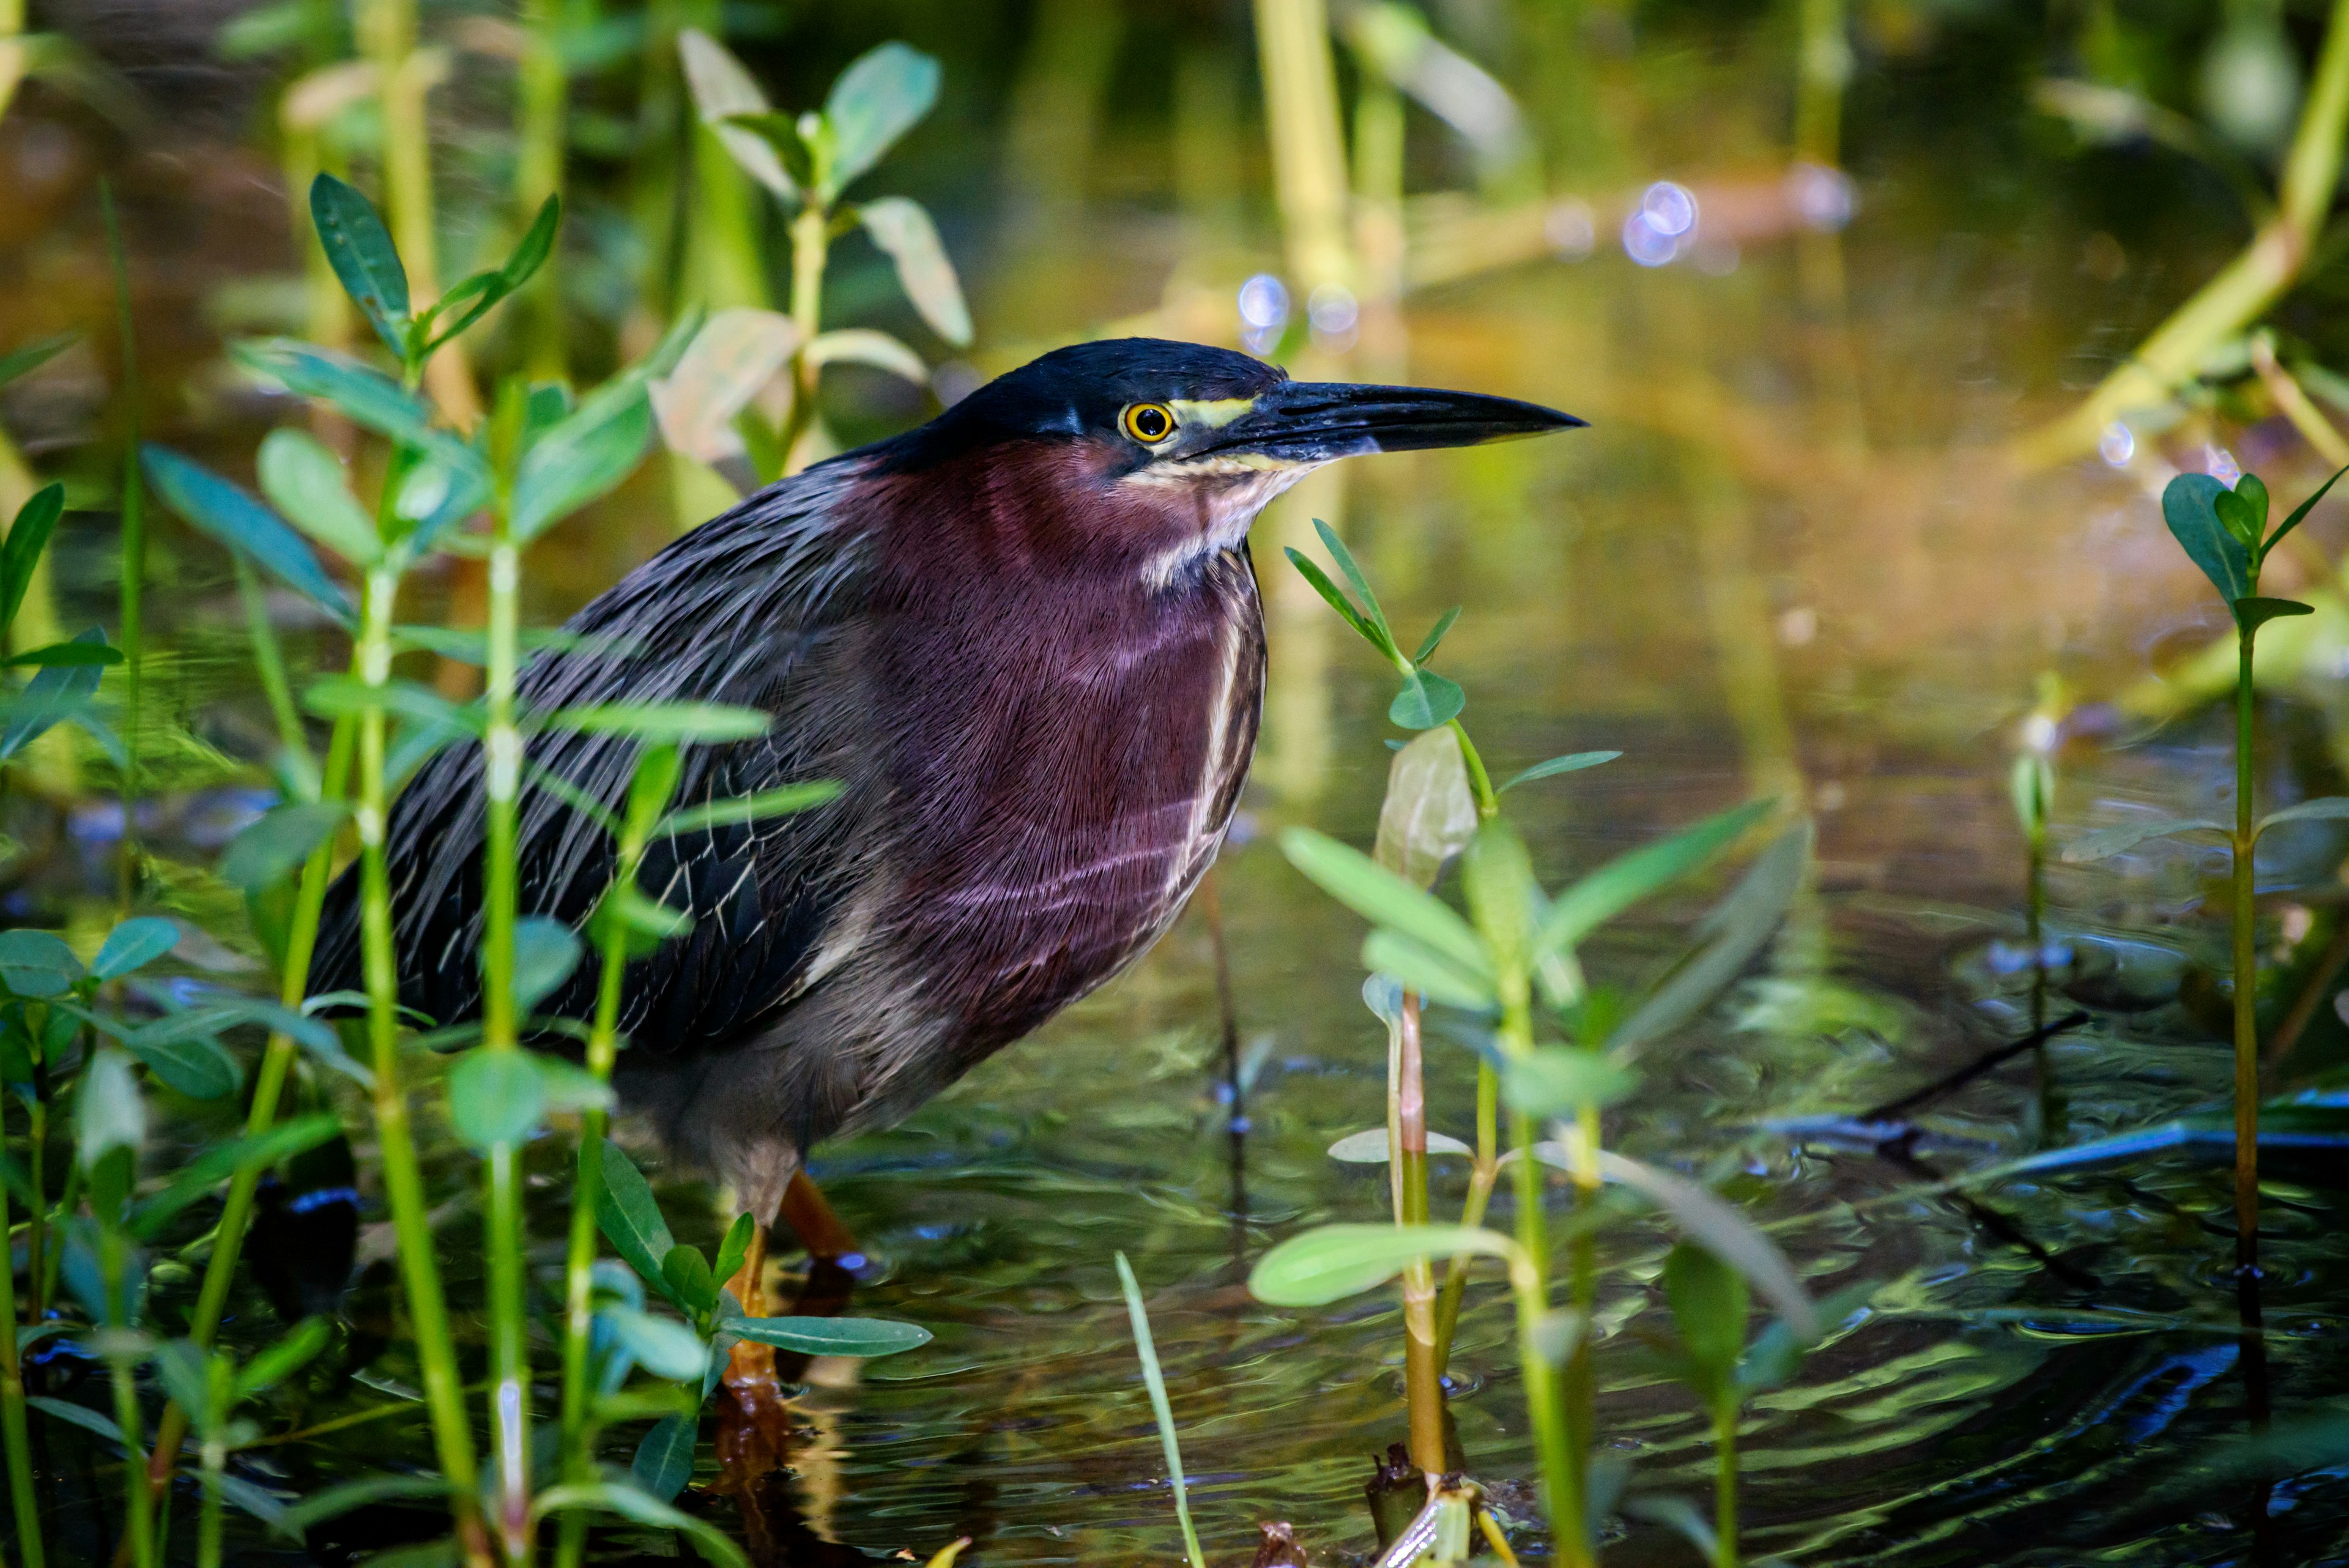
[1212, 413]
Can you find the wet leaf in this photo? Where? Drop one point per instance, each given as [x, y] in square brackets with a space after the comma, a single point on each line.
[664, 1460]
[1559, 1080]
[496, 1097]
[546, 952]
[37, 963]
[2188, 506]
[903, 231]
[581, 459]
[359, 248]
[1425, 701]
[132, 945]
[1644, 872]
[737, 353]
[630, 1217]
[882, 95]
[1380, 896]
[863, 346]
[2106, 842]
[722, 89]
[1332, 1263]
[663, 1346]
[275, 843]
[308, 483]
[1429, 812]
[1368, 1146]
[1153, 1379]
[235, 519]
[1573, 762]
[28, 536]
[858, 1336]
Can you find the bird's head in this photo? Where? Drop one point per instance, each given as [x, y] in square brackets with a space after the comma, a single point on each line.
[1168, 451]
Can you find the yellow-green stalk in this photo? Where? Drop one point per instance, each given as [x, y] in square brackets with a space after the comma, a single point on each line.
[540, 110]
[13, 1432]
[134, 551]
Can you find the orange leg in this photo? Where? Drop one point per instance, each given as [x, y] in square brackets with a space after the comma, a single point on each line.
[813, 1220]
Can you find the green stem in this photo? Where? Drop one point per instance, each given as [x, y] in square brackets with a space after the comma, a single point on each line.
[1724, 1483]
[1488, 804]
[1422, 1376]
[540, 110]
[269, 659]
[810, 251]
[1570, 1538]
[268, 1088]
[37, 1221]
[208, 1521]
[2247, 1027]
[509, 1305]
[586, 1194]
[134, 549]
[403, 1180]
[12, 1429]
[1482, 1177]
[121, 1371]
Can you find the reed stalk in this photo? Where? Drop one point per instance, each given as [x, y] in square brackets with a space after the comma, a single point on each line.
[1485, 1173]
[122, 1369]
[1422, 1372]
[2247, 1024]
[811, 252]
[13, 1431]
[134, 551]
[37, 1222]
[268, 1089]
[540, 112]
[403, 1180]
[503, 754]
[586, 1194]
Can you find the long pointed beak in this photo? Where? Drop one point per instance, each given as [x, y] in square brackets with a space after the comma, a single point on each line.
[1316, 421]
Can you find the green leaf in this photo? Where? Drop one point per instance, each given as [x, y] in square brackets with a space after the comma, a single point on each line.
[64, 655]
[2254, 613]
[1629, 878]
[196, 1181]
[360, 249]
[1153, 1379]
[1368, 1146]
[348, 697]
[903, 229]
[27, 537]
[496, 1097]
[1705, 1219]
[1572, 762]
[132, 945]
[1435, 639]
[664, 1460]
[368, 400]
[784, 802]
[2237, 516]
[81, 1415]
[546, 952]
[569, 1086]
[1435, 975]
[235, 519]
[478, 294]
[882, 95]
[279, 1361]
[2106, 842]
[54, 694]
[1497, 876]
[735, 1246]
[2187, 505]
[1332, 1263]
[722, 89]
[2300, 512]
[34, 355]
[612, 1496]
[1363, 626]
[1429, 812]
[662, 1345]
[1729, 937]
[1427, 700]
[582, 458]
[306, 482]
[858, 1336]
[1345, 559]
[631, 1220]
[863, 346]
[197, 1065]
[2325, 809]
[670, 723]
[110, 1113]
[690, 1280]
[275, 843]
[184, 1368]
[1559, 1080]
[37, 963]
[2031, 786]
[1709, 1307]
[1379, 894]
[344, 1496]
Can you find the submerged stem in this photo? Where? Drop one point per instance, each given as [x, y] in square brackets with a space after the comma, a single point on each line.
[1724, 1482]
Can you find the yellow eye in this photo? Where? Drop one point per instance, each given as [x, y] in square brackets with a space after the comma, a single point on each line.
[1149, 423]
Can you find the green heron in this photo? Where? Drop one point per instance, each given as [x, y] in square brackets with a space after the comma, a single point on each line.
[1027, 638]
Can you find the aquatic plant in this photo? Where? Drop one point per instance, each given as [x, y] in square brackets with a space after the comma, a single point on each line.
[2225, 533]
[1163, 1413]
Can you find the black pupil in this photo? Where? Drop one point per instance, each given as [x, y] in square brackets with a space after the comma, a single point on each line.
[1150, 423]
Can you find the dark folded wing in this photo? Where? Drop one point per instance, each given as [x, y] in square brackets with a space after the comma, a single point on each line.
[740, 611]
